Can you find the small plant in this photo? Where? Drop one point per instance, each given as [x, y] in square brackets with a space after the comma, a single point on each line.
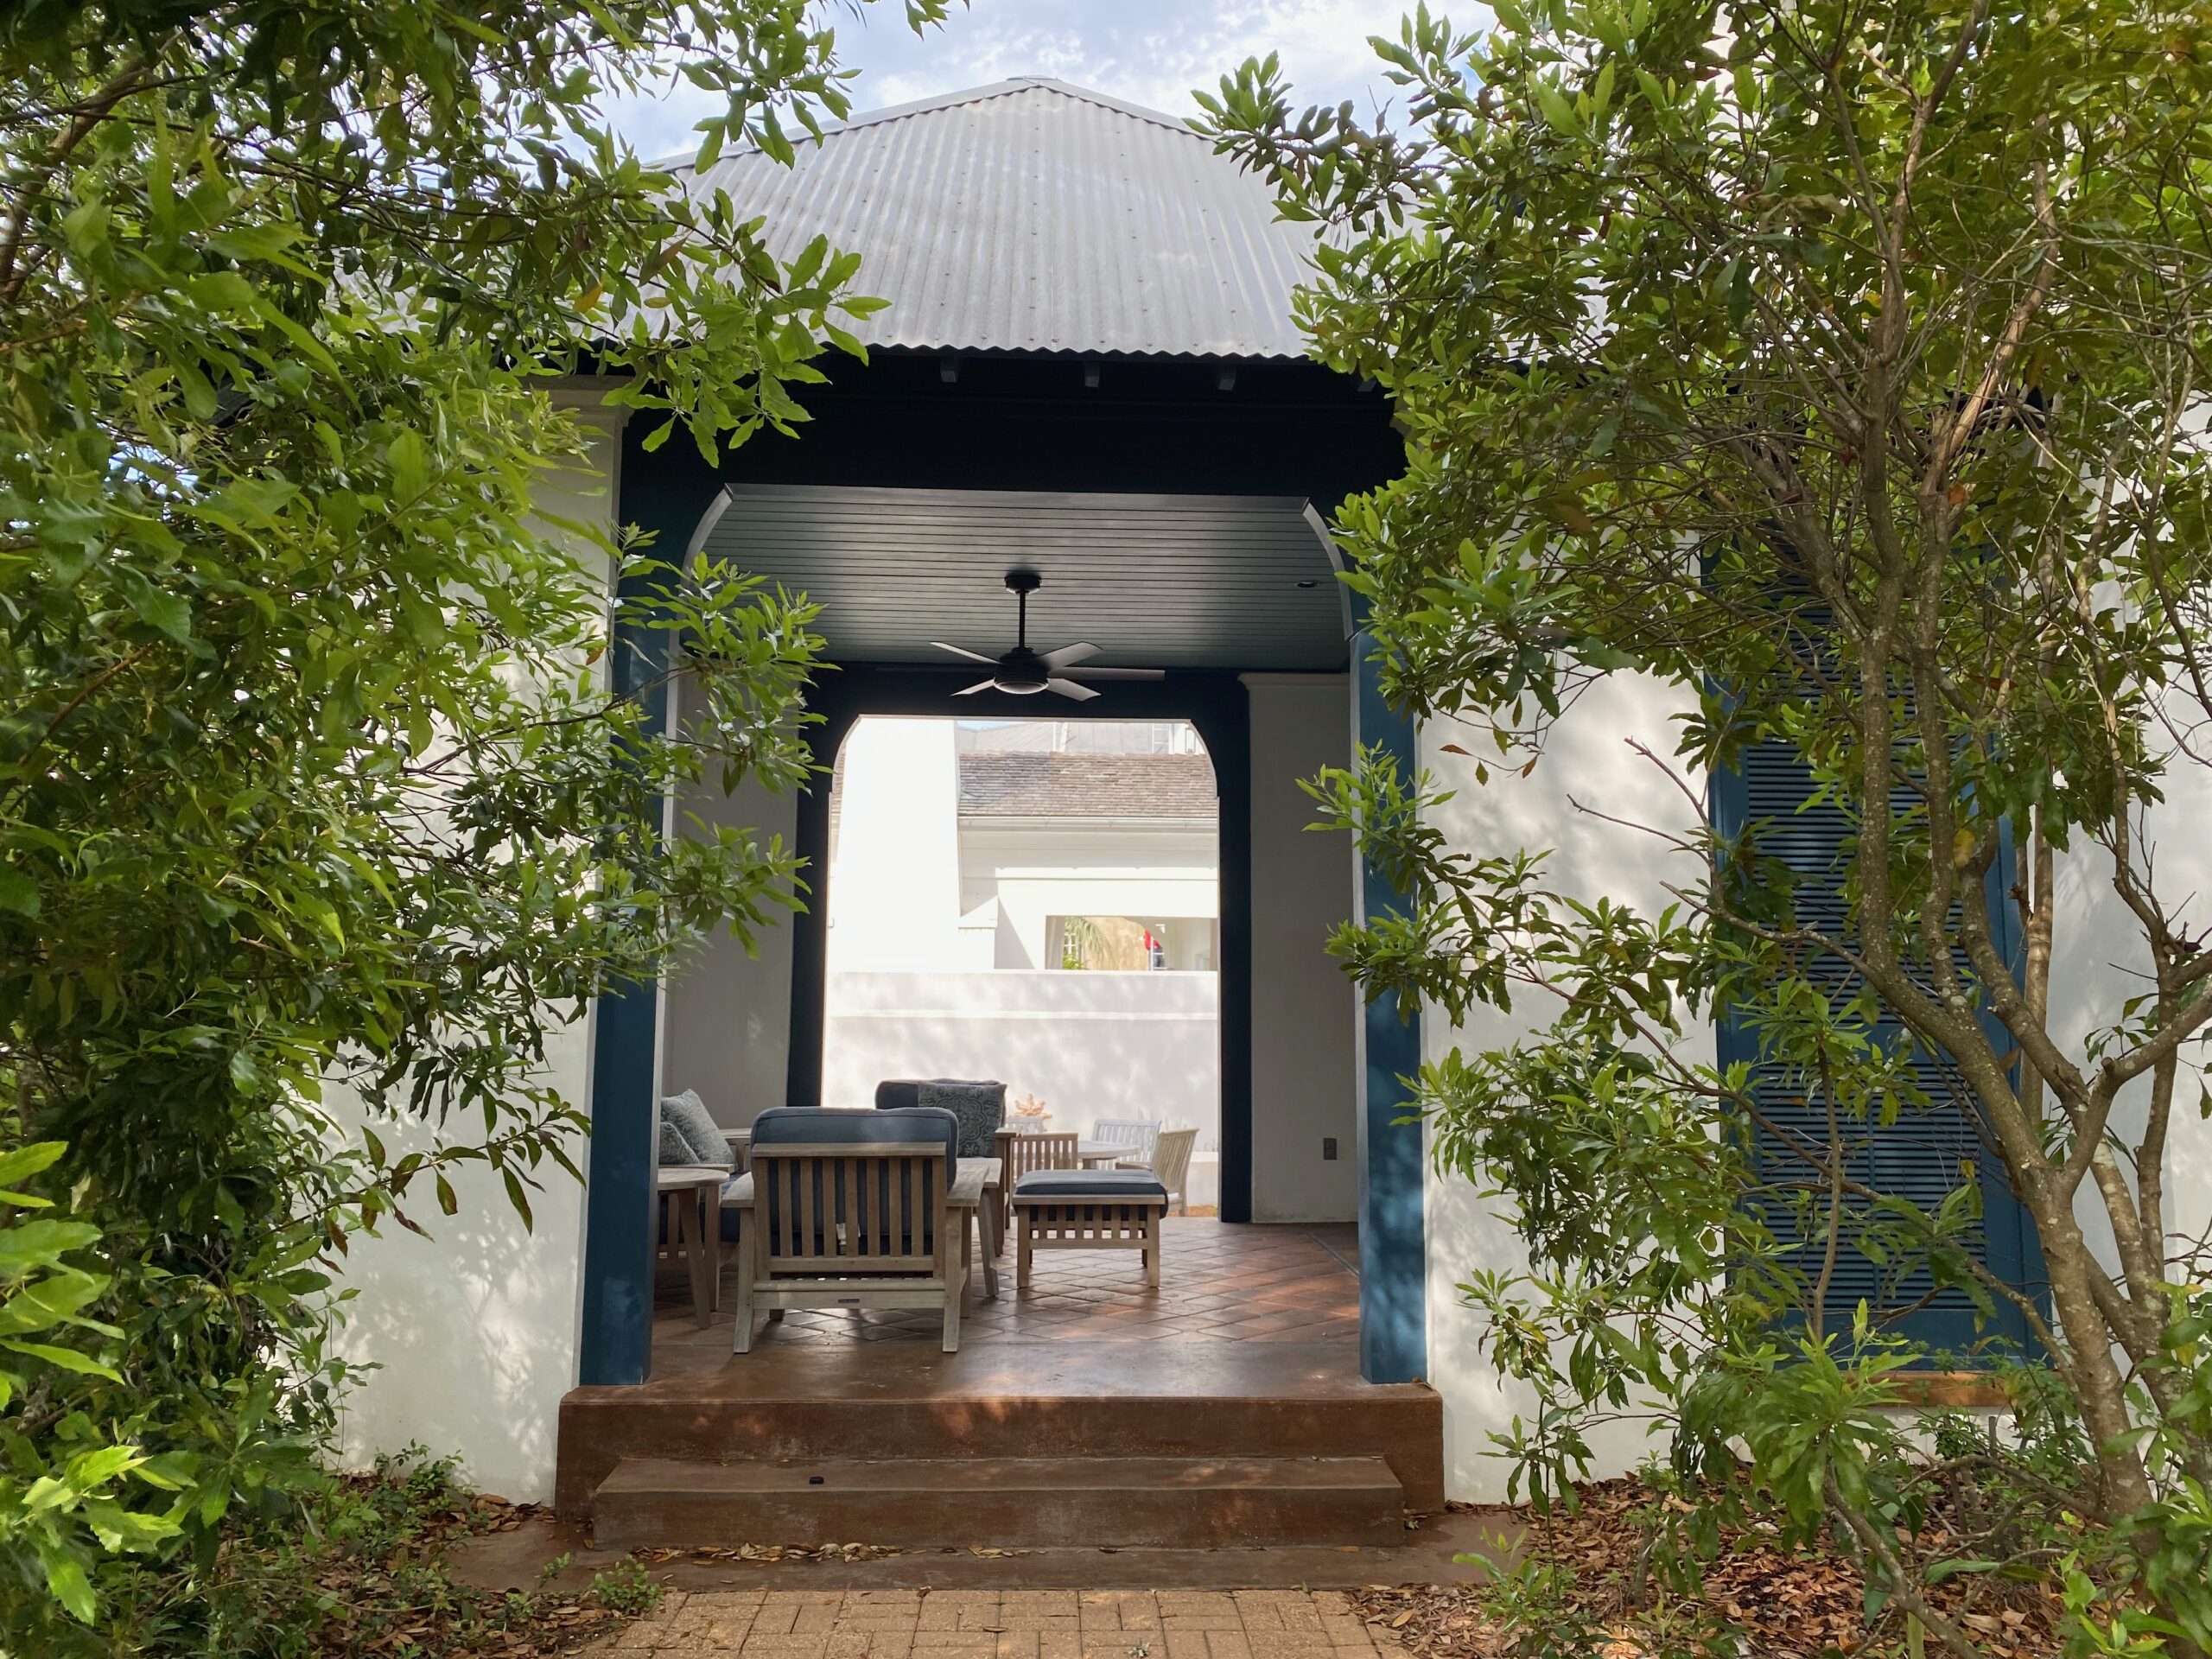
[627, 1588]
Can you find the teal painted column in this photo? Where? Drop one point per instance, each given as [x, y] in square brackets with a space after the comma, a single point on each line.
[616, 1340]
[1393, 1240]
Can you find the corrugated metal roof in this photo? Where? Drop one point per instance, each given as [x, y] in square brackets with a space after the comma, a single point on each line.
[1035, 216]
[1063, 785]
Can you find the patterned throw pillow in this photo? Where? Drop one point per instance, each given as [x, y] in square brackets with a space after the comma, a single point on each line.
[674, 1149]
[694, 1125]
[981, 1108]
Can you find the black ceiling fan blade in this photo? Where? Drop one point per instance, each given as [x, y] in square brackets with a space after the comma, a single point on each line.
[1068, 655]
[1069, 688]
[970, 691]
[1119, 673]
[962, 651]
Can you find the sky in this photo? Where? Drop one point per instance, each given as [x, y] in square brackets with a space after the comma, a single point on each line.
[1151, 51]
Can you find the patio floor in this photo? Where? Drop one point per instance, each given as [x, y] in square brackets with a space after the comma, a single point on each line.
[1219, 1282]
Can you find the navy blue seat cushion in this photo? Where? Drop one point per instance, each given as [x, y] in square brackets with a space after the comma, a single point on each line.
[787, 1126]
[1090, 1184]
[796, 1125]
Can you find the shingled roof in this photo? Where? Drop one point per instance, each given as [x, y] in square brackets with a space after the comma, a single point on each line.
[1018, 786]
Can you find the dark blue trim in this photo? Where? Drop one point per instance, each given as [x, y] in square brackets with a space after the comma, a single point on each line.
[1393, 1238]
[1216, 704]
[616, 1343]
[2012, 1249]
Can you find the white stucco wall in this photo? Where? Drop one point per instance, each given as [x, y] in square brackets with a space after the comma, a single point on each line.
[726, 1017]
[1092, 1046]
[1038, 869]
[2099, 962]
[1588, 760]
[474, 1329]
[894, 888]
[1305, 1010]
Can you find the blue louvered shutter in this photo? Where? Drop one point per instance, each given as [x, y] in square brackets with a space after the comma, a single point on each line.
[1923, 1155]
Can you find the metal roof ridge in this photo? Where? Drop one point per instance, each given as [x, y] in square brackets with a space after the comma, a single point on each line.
[1119, 105]
[682, 162]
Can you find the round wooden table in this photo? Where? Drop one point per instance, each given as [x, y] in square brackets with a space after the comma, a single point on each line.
[1101, 1154]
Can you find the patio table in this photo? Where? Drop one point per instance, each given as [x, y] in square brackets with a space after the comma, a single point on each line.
[693, 1190]
[1101, 1155]
[973, 1197]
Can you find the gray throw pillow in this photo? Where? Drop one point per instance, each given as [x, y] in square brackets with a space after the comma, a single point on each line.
[696, 1125]
[674, 1149]
[979, 1108]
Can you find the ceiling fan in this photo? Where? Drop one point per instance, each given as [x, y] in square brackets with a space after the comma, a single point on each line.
[1024, 673]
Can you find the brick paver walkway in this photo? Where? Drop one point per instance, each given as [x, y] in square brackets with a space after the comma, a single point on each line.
[1002, 1625]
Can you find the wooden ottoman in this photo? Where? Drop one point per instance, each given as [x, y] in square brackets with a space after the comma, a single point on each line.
[1088, 1209]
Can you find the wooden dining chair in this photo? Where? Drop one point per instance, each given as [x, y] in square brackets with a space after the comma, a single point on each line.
[1139, 1136]
[1170, 1161]
[1022, 1154]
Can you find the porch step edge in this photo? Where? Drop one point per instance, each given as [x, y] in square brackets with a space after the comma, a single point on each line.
[1136, 1502]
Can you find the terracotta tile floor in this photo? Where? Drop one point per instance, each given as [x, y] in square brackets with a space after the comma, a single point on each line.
[1002, 1624]
[1219, 1281]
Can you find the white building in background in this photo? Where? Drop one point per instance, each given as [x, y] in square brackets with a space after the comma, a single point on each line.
[1036, 902]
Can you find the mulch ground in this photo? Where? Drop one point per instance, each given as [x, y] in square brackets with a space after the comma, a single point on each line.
[1778, 1603]
[406, 1604]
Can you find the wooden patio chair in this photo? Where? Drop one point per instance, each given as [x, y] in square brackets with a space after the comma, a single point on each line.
[1138, 1135]
[1170, 1161]
[849, 1209]
[1022, 1154]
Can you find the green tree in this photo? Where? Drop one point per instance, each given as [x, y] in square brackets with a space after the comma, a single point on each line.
[308, 767]
[1841, 367]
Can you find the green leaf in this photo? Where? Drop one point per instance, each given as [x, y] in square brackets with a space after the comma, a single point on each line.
[157, 607]
[26, 1161]
[65, 1579]
[67, 1359]
[19, 891]
[1558, 112]
[518, 1197]
[410, 469]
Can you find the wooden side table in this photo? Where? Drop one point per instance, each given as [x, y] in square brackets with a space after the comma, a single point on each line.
[692, 1196]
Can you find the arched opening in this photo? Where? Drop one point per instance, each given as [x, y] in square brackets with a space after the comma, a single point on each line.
[1034, 902]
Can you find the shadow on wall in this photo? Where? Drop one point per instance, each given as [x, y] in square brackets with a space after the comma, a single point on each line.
[2099, 962]
[472, 1330]
[1091, 1046]
[1587, 760]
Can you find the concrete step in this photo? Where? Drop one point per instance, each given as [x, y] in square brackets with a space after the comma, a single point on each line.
[1007, 1502]
[1100, 1400]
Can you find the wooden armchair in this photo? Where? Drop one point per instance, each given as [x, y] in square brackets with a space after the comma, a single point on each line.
[849, 1209]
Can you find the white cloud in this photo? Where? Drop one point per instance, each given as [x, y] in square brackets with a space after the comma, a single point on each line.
[1151, 51]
